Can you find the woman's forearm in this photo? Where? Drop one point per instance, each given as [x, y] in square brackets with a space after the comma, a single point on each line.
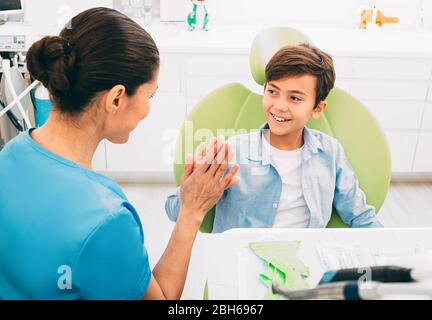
[171, 270]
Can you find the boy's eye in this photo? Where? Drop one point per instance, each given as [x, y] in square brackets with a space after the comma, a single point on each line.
[271, 91]
[295, 98]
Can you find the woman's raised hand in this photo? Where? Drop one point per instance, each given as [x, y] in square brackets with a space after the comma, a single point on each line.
[204, 179]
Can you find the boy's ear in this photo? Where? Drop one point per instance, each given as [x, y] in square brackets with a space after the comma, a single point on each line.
[316, 112]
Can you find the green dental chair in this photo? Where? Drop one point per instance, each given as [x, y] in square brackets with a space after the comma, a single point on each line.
[236, 107]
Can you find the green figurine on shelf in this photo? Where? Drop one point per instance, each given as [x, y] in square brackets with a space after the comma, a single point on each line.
[198, 16]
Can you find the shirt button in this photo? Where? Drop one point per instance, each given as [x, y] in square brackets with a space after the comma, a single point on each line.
[275, 205]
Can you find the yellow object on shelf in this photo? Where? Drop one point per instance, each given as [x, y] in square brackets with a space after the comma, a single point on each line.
[367, 16]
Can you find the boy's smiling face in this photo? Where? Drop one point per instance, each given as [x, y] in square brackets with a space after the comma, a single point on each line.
[288, 104]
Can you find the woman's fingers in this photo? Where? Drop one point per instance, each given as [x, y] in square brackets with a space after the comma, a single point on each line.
[200, 152]
[209, 158]
[189, 165]
[220, 160]
[224, 166]
[221, 155]
[212, 151]
[188, 168]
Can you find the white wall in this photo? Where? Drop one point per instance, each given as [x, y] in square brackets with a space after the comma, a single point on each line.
[54, 14]
[344, 13]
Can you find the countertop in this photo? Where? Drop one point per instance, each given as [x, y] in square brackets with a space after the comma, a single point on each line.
[175, 38]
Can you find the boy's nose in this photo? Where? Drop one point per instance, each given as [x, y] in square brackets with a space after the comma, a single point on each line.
[282, 108]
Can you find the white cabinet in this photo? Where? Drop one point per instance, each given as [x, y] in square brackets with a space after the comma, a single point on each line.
[344, 84]
[430, 93]
[218, 65]
[390, 89]
[208, 72]
[427, 118]
[392, 68]
[343, 67]
[402, 148]
[423, 160]
[397, 114]
[99, 158]
[397, 89]
[151, 145]
[191, 103]
[201, 87]
[170, 75]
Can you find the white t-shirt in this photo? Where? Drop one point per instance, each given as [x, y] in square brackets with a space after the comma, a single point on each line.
[292, 211]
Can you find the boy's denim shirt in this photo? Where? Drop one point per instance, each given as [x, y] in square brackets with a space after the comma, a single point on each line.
[327, 180]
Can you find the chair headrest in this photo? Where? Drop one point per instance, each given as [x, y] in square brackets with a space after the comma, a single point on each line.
[266, 43]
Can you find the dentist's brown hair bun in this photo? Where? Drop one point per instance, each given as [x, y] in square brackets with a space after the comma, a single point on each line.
[98, 49]
[52, 62]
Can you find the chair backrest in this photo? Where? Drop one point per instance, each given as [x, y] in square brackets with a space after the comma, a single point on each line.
[235, 107]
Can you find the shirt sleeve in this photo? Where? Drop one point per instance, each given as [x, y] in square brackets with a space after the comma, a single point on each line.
[349, 199]
[113, 263]
[172, 205]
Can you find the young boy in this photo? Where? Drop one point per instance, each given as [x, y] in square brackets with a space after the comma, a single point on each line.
[291, 176]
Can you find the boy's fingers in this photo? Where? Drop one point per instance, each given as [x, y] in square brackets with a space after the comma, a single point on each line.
[233, 182]
[228, 177]
[230, 153]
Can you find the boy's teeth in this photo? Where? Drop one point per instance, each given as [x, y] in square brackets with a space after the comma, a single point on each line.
[278, 118]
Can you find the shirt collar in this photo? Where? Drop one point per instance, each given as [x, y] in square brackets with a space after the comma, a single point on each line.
[260, 151]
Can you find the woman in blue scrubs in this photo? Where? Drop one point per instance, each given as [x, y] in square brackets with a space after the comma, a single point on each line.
[67, 232]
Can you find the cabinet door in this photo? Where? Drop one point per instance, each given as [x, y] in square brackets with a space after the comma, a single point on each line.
[170, 75]
[427, 118]
[344, 84]
[99, 158]
[397, 114]
[343, 67]
[392, 68]
[429, 98]
[218, 65]
[151, 145]
[199, 87]
[423, 160]
[387, 89]
[208, 72]
[402, 148]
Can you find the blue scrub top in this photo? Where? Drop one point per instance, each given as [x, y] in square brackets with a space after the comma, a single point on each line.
[66, 232]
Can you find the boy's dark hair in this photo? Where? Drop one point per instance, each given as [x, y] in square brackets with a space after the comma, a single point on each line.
[291, 61]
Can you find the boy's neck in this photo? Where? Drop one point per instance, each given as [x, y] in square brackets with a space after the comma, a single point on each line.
[288, 142]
